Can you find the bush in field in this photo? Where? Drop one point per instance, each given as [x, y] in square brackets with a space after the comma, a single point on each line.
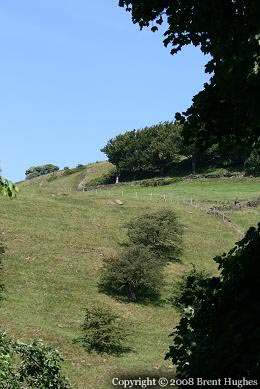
[30, 365]
[66, 171]
[135, 273]
[52, 177]
[252, 164]
[219, 334]
[104, 331]
[159, 230]
[159, 181]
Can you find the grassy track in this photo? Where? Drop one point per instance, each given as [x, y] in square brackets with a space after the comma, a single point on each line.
[56, 241]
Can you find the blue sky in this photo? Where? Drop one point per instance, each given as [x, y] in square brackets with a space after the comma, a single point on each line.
[75, 73]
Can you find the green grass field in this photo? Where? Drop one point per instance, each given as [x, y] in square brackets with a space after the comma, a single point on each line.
[207, 190]
[56, 240]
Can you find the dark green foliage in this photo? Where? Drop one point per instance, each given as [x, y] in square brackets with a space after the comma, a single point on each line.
[153, 182]
[67, 171]
[30, 365]
[36, 171]
[228, 107]
[135, 274]
[8, 378]
[161, 150]
[189, 289]
[151, 149]
[219, 336]
[252, 164]
[159, 230]
[104, 331]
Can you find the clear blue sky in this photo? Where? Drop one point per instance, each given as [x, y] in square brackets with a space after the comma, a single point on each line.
[75, 73]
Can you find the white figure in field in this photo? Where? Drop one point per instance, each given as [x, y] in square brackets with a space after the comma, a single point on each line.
[117, 177]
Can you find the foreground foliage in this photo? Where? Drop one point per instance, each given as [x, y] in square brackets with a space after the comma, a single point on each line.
[229, 32]
[7, 188]
[219, 334]
[33, 365]
[189, 289]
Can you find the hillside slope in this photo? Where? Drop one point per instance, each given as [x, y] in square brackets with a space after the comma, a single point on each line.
[70, 180]
[55, 246]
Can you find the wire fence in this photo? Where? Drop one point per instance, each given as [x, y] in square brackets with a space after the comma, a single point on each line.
[168, 199]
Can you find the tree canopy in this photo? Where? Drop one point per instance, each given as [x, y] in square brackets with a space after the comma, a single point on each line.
[160, 148]
[135, 274]
[226, 109]
[151, 149]
[36, 171]
[160, 231]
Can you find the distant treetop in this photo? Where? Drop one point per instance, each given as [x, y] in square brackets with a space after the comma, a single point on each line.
[36, 171]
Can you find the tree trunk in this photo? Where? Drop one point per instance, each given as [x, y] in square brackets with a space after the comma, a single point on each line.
[193, 164]
[131, 294]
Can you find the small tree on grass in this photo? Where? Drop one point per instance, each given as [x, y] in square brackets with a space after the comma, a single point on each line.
[136, 274]
[103, 330]
[36, 171]
[159, 230]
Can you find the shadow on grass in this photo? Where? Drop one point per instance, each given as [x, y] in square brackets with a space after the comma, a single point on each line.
[122, 297]
[116, 350]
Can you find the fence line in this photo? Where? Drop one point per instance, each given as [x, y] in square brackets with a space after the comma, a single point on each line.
[169, 198]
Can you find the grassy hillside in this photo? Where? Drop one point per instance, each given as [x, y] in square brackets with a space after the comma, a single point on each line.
[56, 240]
[65, 183]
